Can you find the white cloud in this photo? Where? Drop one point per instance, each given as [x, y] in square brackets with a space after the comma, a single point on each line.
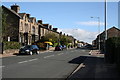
[90, 23]
[80, 34]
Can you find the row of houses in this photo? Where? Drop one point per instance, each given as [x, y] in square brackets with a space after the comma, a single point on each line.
[23, 28]
[100, 40]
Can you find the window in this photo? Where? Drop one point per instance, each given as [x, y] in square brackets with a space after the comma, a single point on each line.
[33, 30]
[21, 27]
[26, 27]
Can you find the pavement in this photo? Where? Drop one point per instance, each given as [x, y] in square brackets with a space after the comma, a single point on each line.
[94, 67]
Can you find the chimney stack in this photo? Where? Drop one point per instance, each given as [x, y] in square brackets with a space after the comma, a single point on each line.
[50, 27]
[16, 8]
[40, 21]
[28, 15]
[55, 29]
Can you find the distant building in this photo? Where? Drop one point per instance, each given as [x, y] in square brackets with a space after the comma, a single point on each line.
[46, 29]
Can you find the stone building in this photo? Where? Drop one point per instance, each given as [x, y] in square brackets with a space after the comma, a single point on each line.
[111, 32]
[27, 29]
[11, 26]
[46, 29]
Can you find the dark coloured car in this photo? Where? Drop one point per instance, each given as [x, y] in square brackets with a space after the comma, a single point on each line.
[58, 48]
[88, 46]
[29, 49]
[64, 47]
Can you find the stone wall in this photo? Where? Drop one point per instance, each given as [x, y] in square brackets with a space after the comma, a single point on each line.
[11, 51]
[51, 48]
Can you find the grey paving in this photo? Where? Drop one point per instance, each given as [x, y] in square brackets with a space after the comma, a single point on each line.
[95, 68]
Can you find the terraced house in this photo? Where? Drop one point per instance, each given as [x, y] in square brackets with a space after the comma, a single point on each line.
[28, 30]
[45, 29]
[24, 29]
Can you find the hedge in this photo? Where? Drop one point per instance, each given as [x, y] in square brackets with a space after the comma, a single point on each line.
[113, 51]
[11, 45]
[42, 46]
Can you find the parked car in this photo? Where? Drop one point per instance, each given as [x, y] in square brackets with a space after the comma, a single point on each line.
[29, 49]
[58, 48]
[88, 46]
[64, 47]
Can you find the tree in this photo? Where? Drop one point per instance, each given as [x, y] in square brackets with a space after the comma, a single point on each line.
[4, 23]
[50, 37]
[64, 40]
[8, 24]
[0, 24]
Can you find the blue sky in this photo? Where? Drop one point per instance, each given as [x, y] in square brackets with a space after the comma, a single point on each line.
[72, 17]
[119, 15]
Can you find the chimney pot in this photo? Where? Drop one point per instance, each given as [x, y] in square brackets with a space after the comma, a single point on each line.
[40, 21]
[16, 8]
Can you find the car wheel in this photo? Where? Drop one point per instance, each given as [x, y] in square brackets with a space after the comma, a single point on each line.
[31, 53]
[38, 52]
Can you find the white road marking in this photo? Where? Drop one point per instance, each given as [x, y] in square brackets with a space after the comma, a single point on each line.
[42, 52]
[50, 51]
[33, 59]
[2, 66]
[72, 51]
[22, 56]
[22, 62]
[60, 53]
[49, 56]
[83, 50]
[27, 61]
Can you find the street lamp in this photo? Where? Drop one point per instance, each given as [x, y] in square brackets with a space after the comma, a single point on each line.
[105, 20]
[98, 31]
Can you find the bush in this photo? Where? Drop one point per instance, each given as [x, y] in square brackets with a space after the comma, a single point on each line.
[11, 45]
[55, 44]
[113, 51]
[42, 46]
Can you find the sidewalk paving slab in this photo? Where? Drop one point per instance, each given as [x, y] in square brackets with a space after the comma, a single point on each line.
[96, 68]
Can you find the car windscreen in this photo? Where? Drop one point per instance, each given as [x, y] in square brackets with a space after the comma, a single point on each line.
[34, 47]
[26, 47]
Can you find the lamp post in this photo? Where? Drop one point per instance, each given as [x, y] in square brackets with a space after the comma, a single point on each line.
[105, 20]
[98, 31]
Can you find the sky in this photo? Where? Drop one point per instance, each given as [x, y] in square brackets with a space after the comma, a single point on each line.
[119, 15]
[72, 18]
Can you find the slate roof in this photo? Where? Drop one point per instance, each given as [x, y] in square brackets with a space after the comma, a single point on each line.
[11, 11]
[22, 14]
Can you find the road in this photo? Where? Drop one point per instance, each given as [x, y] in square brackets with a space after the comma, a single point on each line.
[52, 64]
